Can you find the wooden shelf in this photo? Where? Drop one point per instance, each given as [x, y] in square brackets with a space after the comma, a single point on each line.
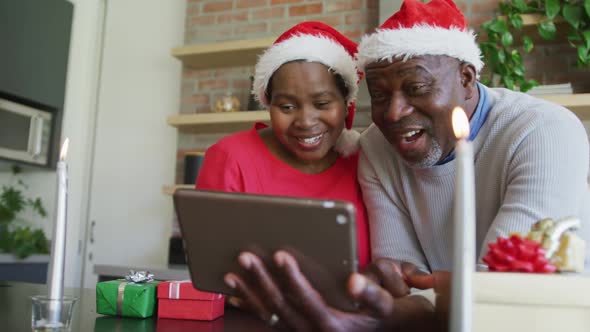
[230, 122]
[578, 103]
[222, 54]
[169, 190]
[203, 123]
[530, 19]
[207, 123]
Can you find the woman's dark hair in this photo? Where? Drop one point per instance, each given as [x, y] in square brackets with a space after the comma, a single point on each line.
[340, 83]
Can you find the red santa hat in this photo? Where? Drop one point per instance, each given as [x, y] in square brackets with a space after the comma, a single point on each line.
[435, 28]
[314, 42]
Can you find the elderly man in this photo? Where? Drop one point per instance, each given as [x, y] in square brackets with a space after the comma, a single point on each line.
[531, 162]
[531, 156]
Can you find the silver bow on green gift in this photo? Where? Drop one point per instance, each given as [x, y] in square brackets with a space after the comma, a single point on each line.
[133, 277]
[139, 276]
[133, 296]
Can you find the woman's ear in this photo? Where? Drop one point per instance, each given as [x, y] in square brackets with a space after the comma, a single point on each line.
[468, 79]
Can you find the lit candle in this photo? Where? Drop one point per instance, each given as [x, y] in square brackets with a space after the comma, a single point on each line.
[58, 241]
[464, 228]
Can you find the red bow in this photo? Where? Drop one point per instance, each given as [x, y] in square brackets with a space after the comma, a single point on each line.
[516, 254]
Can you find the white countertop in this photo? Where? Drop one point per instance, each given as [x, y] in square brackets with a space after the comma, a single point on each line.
[516, 302]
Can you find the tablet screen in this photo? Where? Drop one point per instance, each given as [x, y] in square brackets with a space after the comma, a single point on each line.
[217, 226]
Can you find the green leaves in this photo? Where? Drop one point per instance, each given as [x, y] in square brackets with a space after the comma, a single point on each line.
[502, 51]
[18, 239]
[12, 202]
[547, 30]
[497, 25]
[551, 8]
[572, 14]
[16, 169]
[520, 5]
[527, 85]
[24, 241]
[583, 55]
[37, 206]
[508, 82]
[499, 56]
[586, 35]
[505, 8]
[527, 44]
[507, 39]
[573, 37]
[515, 21]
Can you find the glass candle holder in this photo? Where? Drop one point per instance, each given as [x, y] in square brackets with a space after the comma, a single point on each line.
[51, 314]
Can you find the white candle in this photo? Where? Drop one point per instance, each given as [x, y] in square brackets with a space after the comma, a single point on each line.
[464, 228]
[58, 241]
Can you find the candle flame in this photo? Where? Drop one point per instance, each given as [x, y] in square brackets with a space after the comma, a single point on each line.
[64, 149]
[460, 123]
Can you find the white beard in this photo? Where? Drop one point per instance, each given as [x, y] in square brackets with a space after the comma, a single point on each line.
[433, 156]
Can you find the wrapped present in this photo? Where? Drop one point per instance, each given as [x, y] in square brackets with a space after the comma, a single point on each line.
[564, 248]
[180, 300]
[516, 254]
[549, 246]
[134, 296]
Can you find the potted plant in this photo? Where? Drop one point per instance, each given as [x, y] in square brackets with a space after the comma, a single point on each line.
[504, 58]
[18, 239]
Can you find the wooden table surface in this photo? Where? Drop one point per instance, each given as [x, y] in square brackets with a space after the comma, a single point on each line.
[15, 315]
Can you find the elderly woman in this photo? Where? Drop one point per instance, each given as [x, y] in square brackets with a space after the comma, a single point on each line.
[308, 81]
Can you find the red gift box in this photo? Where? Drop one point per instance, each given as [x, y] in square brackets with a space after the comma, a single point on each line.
[180, 300]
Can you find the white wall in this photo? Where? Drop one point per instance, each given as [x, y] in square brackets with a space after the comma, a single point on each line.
[121, 150]
[134, 154]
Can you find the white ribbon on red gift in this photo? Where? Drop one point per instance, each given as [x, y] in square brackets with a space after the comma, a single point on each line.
[174, 290]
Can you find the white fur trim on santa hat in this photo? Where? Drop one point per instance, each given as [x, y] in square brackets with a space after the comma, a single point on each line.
[311, 48]
[419, 40]
[348, 142]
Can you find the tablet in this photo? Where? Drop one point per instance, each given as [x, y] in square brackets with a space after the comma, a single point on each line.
[217, 226]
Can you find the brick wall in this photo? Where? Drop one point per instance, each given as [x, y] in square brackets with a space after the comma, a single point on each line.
[212, 20]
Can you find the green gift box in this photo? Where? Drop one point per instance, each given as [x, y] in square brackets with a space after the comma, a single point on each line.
[128, 299]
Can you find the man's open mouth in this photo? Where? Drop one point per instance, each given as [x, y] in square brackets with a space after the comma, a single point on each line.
[412, 135]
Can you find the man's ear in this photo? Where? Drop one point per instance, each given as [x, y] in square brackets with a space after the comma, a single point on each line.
[468, 79]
